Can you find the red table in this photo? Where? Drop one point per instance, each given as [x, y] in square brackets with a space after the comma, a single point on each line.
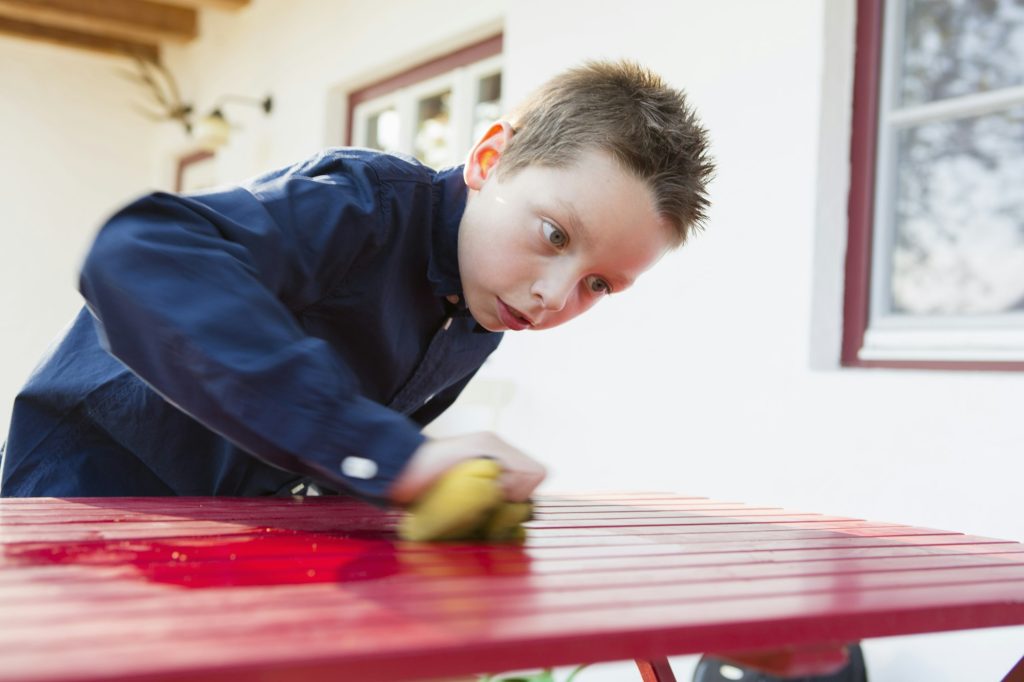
[319, 589]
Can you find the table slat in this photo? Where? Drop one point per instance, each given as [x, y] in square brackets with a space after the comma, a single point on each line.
[202, 588]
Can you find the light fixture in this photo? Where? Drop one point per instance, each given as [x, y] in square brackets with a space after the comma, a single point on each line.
[213, 130]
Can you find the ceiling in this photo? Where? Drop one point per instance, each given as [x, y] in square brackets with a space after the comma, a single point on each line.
[129, 27]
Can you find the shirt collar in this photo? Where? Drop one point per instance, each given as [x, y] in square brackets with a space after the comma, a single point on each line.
[449, 194]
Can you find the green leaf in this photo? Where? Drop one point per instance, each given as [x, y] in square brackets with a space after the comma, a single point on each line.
[574, 673]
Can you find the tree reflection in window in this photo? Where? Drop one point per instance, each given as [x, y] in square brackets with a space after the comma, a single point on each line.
[487, 108]
[958, 244]
[433, 144]
[382, 131]
[959, 47]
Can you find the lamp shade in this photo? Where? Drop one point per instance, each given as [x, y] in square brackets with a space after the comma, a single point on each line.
[212, 131]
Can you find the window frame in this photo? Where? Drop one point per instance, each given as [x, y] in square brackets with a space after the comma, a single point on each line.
[897, 341]
[451, 71]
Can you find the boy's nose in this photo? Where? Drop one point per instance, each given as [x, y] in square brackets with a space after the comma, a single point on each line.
[553, 291]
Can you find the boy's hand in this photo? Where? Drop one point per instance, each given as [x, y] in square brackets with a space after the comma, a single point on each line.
[520, 474]
[466, 503]
[453, 493]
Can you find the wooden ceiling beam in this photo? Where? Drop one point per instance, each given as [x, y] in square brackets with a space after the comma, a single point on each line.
[83, 41]
[129, 20]
[228, 5]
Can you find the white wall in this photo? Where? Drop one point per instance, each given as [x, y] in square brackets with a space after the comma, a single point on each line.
[72, 151]
[701, 379]
[307, 55]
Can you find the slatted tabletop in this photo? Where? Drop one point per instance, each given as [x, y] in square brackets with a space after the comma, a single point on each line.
[319, 588]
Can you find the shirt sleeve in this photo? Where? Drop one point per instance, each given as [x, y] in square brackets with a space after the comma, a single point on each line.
[195, 295]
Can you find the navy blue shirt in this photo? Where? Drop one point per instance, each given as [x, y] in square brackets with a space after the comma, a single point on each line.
[246, 340]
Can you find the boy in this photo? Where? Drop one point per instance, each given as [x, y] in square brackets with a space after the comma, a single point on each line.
[295, 333]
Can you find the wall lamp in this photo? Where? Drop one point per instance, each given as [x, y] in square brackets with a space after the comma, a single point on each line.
[213, 130]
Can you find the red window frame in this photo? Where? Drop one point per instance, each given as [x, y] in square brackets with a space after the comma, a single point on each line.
[867, 80]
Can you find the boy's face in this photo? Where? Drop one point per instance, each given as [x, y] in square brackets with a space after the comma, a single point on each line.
[540, 247]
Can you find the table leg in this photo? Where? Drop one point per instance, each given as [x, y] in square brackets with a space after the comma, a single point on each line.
[655, 670]
[1017, 674]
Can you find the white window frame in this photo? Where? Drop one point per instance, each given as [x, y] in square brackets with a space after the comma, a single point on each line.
[890, 336]
[462, 83]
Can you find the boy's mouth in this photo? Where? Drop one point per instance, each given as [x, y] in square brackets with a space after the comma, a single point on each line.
[512, 318]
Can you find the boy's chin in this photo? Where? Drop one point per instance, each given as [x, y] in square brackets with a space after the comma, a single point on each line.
[489, 326]
[497, 327]
[491, 323]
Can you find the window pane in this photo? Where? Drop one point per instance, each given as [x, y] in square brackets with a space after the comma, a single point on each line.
[487, 107]
[959, 47]
[959, 238]
[382, 131]
[433, 145]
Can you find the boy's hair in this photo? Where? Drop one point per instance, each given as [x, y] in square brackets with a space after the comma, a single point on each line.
[629, 112]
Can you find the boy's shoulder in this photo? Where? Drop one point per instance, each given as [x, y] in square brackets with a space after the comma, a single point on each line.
[386, 166]
[361, 171]
[367, 176]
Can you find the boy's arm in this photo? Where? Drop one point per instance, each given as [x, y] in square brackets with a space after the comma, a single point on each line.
[195, 295]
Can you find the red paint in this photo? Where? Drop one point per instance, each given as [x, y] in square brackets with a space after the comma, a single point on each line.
[184, 162]
[1017, 674]
[273, 557]
[319, 588]
[657, 670]
[862, 178]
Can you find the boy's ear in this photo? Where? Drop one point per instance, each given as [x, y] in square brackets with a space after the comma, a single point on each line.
[484, 156]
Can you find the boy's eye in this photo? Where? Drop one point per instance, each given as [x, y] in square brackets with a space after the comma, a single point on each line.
[598, 286]
[555, 236]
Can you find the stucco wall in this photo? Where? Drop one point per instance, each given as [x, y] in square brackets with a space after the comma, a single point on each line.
[73, 150]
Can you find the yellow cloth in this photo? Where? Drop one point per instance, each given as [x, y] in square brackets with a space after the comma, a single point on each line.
[466, 504]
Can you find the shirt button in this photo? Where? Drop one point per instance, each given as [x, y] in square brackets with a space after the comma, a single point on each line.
[358, 467]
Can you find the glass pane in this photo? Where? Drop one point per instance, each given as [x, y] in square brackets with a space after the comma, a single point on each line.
[487, 108]
[959, 239]
[959, 47]
[433, 144]
[382, 131]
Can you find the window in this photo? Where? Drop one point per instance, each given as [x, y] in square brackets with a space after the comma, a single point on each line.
[935, 259]
[435, 111]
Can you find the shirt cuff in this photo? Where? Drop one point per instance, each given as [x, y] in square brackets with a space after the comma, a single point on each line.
[374, 443]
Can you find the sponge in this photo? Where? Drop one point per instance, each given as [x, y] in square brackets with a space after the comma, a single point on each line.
[466, 503]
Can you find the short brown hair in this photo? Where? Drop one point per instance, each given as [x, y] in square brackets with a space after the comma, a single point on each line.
[629, 112]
